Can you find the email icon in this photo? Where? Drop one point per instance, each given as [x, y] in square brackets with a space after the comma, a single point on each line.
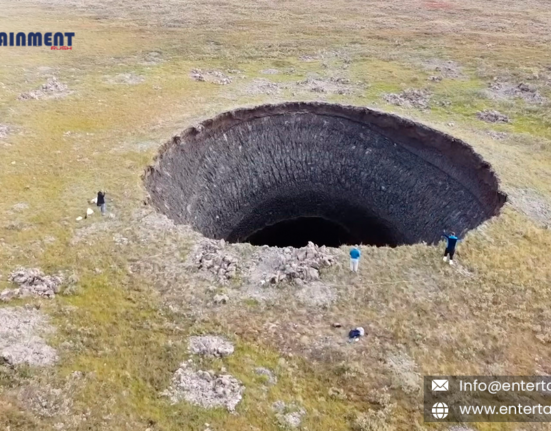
[440, 385]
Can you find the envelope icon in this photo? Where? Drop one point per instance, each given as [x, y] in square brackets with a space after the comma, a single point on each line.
[440, 385]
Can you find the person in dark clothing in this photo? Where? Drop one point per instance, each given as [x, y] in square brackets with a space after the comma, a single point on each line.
[452, 241]
[101, 202]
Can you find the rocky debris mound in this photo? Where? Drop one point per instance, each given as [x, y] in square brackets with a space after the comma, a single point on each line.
[213, 256]
[506, 90]
[288, 415]
[20, 341]
[409, 98]
[275, 265]
[491, 116]
[213, 76]
[32, 282]
[50, 90]
[205, 388]
[210, 345]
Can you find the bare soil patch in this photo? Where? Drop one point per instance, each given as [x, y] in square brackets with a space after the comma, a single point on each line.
[533, 204]
[21, 331]
[125, 78]
[445, 68]
[206, 389]
[52, 89]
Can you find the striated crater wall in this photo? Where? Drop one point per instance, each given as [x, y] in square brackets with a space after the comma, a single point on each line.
[383, 179]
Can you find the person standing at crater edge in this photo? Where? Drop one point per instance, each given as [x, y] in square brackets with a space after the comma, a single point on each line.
[452, 241]
[355, 254]
[101, 202]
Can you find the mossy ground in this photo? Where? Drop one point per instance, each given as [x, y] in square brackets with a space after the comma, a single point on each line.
[123, 335]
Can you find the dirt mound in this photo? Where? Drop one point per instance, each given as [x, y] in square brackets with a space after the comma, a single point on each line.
[205, 388]
[409, 98]
[505, 90]
[52, 89]
[32, 282]
[491, 116]
[274, 265]
[214, 257]
[210, 345]
[20, 337]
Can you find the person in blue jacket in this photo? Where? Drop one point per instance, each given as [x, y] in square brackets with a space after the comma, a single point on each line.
[452, 241]
[355, 254]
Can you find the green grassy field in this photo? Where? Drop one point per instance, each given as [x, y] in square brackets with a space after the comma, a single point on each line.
[127, 330]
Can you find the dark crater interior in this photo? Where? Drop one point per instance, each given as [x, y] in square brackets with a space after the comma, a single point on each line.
[283, 175]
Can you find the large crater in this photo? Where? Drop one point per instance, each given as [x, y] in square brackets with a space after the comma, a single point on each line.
[285, 174]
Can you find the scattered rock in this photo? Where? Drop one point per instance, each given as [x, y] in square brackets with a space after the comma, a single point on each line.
[435, 78]
[205, 388]
[221, 299]
[32, 282]
[212, 76]
[212, 256]
[210, 345]
[274, 265]
[491, 116]
[52, 89]
[409, 98]
[271, 379]
[20, 337]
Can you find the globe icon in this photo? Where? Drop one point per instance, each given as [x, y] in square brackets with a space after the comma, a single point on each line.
[440, 410]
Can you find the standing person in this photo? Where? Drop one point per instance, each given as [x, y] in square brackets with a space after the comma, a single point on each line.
[355, 254]
[101, 202]
[452, 241]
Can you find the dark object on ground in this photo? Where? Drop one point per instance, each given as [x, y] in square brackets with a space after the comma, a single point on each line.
[101, 199]
[356, 333]
[265, 175]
